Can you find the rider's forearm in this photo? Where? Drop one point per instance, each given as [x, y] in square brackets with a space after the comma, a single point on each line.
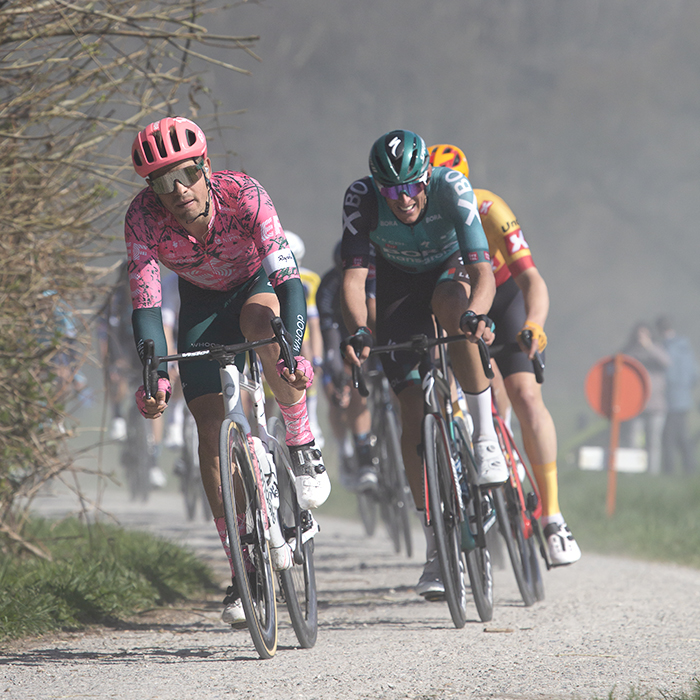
[293, 310]
[535, 294]
[353, 299]
[483, 287]
[148, 325]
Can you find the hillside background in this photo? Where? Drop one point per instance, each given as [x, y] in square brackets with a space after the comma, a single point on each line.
[584, 115]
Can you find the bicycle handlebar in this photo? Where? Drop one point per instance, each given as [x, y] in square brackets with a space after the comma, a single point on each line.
[537, 361]
[420, 343]
[220, 353]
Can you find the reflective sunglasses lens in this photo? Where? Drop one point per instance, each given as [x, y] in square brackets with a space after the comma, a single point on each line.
[411, 189]
[165, 184]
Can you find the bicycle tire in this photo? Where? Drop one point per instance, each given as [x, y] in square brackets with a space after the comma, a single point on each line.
[537, 580]
[136, 455]
[511, 527]
[401, 498]
[367, 507]
[385, 490]
[479, 564]
[299, 582]
[190, 480]
[444, 516]
[257, 590]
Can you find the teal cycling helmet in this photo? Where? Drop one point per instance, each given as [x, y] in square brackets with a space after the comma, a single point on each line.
[399, 157]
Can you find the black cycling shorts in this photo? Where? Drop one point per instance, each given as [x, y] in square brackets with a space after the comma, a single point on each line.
[509, 315]
[209, 317]
[403, 310]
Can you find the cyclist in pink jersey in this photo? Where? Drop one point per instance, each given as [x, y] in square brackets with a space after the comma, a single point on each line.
[220, 233]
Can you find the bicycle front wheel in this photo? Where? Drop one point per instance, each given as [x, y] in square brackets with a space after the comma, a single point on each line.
[444, 516]
[137, 455]
[299, 582]
[510, 524]
[396, 494]
[190, 478]
[241, 489]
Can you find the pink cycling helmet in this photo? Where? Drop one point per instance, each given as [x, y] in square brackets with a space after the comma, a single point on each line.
[165, 142]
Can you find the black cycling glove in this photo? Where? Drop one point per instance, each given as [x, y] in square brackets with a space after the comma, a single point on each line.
[470, 321]
[359, 341]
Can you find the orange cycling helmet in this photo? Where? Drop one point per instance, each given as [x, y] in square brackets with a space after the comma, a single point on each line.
[165, 142]
[450, 157]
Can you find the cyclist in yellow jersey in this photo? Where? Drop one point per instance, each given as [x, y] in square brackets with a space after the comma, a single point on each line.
[521, 303]
[312, 345]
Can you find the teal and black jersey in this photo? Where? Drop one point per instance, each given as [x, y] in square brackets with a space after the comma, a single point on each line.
[450, 223]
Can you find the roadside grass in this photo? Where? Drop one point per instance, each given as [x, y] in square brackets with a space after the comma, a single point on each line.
[656, 518]
[98, 574]
[635, 694]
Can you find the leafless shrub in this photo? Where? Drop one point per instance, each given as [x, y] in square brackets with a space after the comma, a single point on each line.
[74, 76]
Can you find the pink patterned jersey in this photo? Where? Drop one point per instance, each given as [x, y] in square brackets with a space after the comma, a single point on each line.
[244, 235]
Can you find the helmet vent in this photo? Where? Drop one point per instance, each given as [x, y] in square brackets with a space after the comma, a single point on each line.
[148, 152]
[174, 139]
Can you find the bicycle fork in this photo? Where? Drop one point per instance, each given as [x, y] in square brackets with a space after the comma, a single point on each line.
[231, 382]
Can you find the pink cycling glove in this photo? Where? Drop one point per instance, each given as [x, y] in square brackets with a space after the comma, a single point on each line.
[163, 385]
[303, 366]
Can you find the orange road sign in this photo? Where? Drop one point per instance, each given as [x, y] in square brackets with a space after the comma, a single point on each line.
[618, 388]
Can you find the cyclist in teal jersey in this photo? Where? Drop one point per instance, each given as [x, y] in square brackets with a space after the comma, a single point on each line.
[420, 220]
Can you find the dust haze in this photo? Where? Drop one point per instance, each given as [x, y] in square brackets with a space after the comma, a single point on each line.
[583, 115]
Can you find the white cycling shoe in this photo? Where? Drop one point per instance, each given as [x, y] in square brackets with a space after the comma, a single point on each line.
[310, 476]
[561, 545]
[233, 613]
[282, 558]
[430, 584]
[490, 462]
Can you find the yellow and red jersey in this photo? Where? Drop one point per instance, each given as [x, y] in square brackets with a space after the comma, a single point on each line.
[510, 253]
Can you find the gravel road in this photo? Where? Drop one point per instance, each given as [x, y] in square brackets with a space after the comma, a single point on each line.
[606, 625]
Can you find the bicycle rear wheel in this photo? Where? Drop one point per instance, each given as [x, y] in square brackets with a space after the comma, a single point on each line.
[241, 490]
[510, 524]
[299, 582]
[443, 509]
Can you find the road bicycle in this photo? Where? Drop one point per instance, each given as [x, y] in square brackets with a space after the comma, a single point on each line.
[393, 496]
[259, 511]
[187, 470]
[460, 511]
[518, 511]
[138, 455]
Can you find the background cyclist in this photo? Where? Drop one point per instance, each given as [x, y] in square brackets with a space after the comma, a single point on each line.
[348, 411]
[521, 303]
[221, 234]
[420, 220]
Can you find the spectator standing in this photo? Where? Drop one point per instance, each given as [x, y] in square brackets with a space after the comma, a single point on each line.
[681, 377]
[646, 429]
